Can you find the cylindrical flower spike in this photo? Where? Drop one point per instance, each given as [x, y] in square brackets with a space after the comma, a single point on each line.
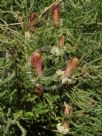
[33, 20]
[37, 63]
[72, 65]
[39, 90]
[56, 14]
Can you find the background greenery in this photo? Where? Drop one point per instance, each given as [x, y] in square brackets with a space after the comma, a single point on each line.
[21, 111]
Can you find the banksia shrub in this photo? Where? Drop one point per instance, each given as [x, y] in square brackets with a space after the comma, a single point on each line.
[50, 68]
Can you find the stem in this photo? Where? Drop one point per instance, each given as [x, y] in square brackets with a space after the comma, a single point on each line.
[17, 82]
[13, 24]
[9, 123]
[22, 129]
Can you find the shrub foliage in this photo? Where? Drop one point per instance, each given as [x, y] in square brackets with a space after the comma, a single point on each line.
[40, 42]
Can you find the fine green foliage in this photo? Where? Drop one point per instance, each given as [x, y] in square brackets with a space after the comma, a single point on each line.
[22, 112]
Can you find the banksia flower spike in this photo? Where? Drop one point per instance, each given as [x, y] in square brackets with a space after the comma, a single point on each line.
[37, 63]
[56, 14]
[72, 65]
[33, 20]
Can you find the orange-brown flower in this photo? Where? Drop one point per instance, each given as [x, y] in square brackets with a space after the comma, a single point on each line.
[39, 90]
[56, 14]
[72, 65]
[61, 41]
[37, 63]
[33, 20]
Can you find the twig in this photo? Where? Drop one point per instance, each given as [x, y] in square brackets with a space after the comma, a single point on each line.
[44, 127]
[23, 131]
[12, 24]
[9, 123]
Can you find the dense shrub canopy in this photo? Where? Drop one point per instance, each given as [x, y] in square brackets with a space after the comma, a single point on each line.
[50, 67]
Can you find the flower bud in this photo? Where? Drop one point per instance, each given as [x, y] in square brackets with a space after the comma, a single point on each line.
[67, 109]
[59, 72]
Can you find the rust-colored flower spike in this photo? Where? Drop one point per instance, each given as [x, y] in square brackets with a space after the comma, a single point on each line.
[72, 65]
[67, 109]
[39, 90]
[61, 41]
[33, 20]
[56, 14]
[37, 63]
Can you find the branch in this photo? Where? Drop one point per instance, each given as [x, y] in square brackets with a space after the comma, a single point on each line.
[14, 24]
